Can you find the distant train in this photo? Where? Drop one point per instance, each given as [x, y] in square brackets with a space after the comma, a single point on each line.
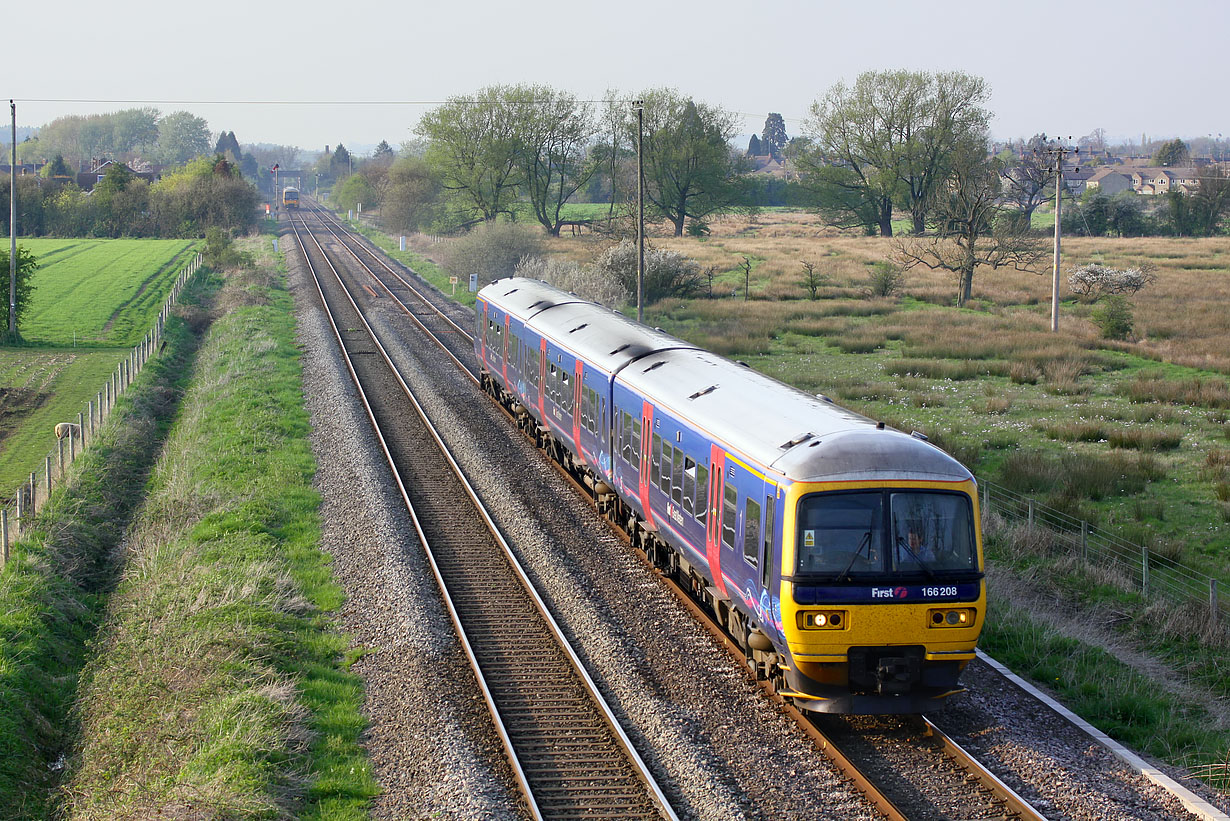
[844, 557]
[290, 197]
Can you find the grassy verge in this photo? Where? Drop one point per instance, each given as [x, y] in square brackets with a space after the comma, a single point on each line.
[421, 265]
[219, 688]
[1108, 693]
[54, 590]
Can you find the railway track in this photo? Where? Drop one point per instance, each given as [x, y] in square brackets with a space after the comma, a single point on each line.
[958, 782]
[568, 753]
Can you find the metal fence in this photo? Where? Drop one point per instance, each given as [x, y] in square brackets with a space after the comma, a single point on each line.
[74, 436]
[1151, 574]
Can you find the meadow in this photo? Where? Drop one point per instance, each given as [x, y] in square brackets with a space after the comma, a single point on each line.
[93, 299]
[102, 292]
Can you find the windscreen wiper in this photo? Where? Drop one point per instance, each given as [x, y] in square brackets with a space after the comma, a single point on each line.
[926, 569]
[866, 542]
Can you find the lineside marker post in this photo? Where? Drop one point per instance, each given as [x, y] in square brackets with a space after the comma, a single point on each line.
[4, 536]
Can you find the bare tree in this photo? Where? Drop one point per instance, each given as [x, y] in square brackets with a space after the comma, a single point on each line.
[1028, 178]
[970, 231]
[812, 280]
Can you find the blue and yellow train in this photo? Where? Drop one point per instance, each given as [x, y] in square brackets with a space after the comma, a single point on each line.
[844, 557]
[290, 197]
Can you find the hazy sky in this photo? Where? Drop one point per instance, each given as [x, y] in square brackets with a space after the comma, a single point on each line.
[1065, 68]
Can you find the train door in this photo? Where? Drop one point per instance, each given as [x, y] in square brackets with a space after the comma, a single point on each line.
[578, 406]
[507, 330]
[716, 520]
[645, 478]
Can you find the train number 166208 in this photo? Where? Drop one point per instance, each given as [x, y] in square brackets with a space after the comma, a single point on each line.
[939, 591]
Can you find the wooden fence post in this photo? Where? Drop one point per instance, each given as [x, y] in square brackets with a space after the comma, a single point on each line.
[4, 536]
[1144, 571]
[47, 478]
[1084, 541]
[1214, 610]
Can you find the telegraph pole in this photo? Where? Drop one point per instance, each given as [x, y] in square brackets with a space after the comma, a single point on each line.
[1058, 151]
[13, 229]
[639, 105]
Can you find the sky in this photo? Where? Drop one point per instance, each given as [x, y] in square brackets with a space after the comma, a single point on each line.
[314, 73]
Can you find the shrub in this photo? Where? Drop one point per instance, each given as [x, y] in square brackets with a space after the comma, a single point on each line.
[886, 279]
[1113, 317]
[1094, 281]
[583, 280]
[667, 273]
[492, 250]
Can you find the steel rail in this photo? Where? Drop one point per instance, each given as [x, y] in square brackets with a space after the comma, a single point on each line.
[332, 222]
[654, 793]
[1014, 803]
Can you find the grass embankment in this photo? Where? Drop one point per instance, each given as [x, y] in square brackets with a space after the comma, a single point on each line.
[215, 686]
[219, 687]
[53, 592]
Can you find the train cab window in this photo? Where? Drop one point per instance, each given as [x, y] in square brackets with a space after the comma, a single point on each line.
[636, 445]
[751, 531]
[931, 531]
[689, 485]
[730, 513]
[677, 476]
[702, 494]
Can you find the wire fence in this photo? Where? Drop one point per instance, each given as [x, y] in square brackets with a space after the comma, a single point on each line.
[73, 437]
[1150, 573]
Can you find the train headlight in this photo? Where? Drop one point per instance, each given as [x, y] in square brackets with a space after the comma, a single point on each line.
[822, 619]
[956, 617]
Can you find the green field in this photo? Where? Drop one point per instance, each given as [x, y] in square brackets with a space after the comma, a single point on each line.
[100, 291]
[93, 299]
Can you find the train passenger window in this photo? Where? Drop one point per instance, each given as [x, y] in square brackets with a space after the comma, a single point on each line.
[625, 436]
[751, 531]
[689, 484]
[702, 494]
[656, 457]
[636, 445]
[664, 478]
[730, 512]
[677, 477]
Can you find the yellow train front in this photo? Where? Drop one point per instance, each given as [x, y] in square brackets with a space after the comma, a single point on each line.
[882, 593]
[290, 197]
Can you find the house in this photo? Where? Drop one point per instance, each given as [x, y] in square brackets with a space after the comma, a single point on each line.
[1110, 181]
[86, 180]
[1164, 180]
[1076, 179]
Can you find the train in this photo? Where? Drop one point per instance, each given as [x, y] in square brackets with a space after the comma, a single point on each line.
[843, 556]
[290, 197]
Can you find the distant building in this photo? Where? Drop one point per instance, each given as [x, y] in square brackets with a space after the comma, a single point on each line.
[1109, 180]
[86, 180]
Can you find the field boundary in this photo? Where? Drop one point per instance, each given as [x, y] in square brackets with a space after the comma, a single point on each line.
[1149, 573]
[74, 437]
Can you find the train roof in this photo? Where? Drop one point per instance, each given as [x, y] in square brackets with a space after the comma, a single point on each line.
[597, 334]
[804, 437]
[291, 188]
[801, 436]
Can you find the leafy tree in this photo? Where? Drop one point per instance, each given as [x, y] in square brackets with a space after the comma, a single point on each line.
[182, 137]
[56, 168]
[892, 135]
[228, 146]
[555, 134]
[27, 263]
[774, 138]
[411, 200]
[135, 130]
[492, 250]
[754, 147]
[384, 152]
[690, 170]
[472, 147]
[352, 191]
[1113, 317]
[969, 230]
[1172, 153]
[340, 162]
